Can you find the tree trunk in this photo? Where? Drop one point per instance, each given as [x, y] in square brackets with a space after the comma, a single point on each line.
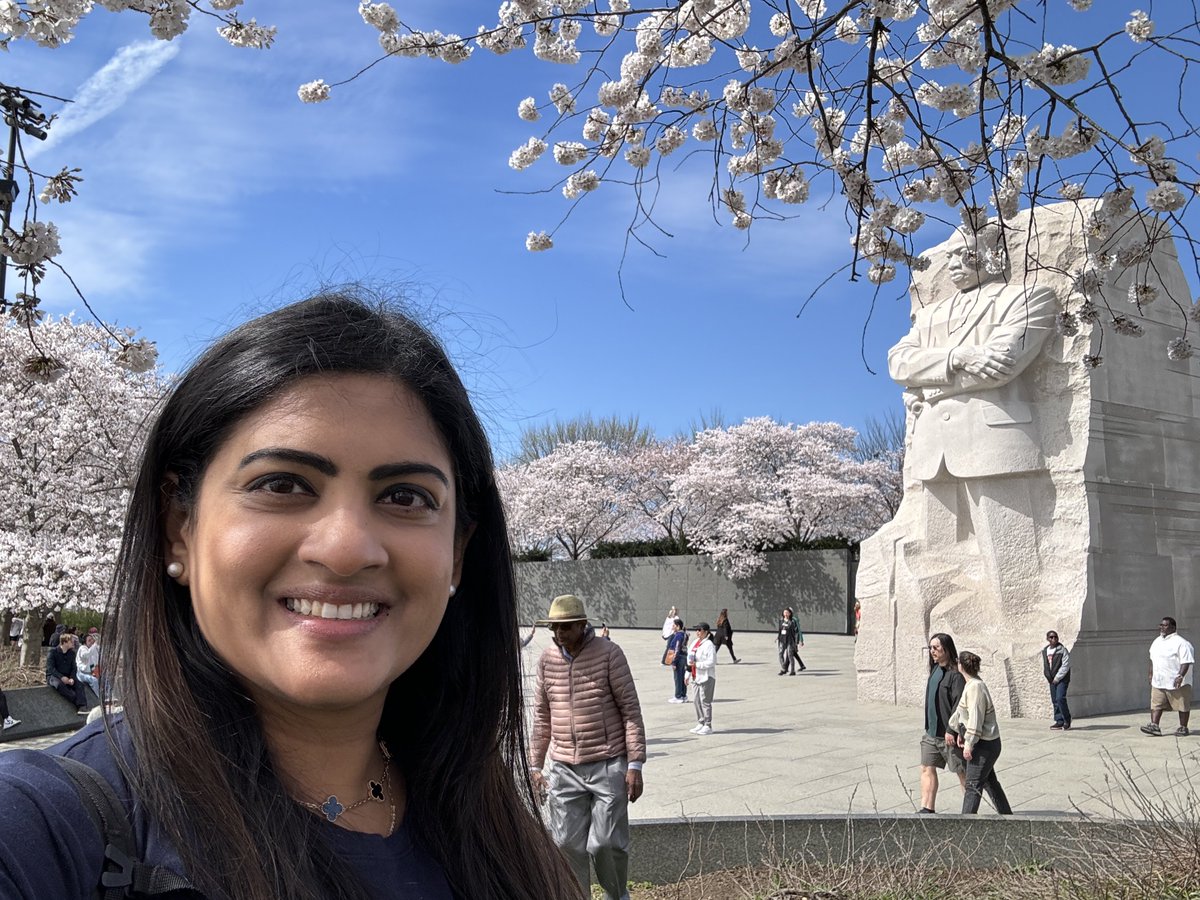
[31, 643]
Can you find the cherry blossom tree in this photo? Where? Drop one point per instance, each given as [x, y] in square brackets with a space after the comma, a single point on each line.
[912, 110]
[762, 483]
[882, 440]
[572, 498]
[911, 114]
[72, 410]
[654, 469]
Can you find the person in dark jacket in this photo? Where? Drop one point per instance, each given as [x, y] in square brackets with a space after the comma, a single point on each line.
[939, 745]
[723, 634]
[789, 637]
[1056, 666]
[60, 673]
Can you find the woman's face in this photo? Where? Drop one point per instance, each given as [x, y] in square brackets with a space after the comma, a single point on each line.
[787, 613]
[321, 547]
[938, 652]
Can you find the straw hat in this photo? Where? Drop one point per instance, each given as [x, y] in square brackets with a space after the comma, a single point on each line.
[567, 608]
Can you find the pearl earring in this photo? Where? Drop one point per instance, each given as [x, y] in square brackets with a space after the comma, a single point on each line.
[175, 569]
[453, 589]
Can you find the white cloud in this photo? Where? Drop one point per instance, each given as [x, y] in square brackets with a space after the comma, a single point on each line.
[107, 90]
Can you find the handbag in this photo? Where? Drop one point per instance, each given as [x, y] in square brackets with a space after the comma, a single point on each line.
[669, 658]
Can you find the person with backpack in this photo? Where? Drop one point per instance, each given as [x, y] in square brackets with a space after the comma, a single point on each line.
[312, 628]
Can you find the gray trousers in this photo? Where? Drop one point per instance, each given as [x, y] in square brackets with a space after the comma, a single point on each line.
[587, 810]
[702, 698]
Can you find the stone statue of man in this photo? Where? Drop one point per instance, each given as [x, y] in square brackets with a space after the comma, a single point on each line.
[974, 443]
[961, 368]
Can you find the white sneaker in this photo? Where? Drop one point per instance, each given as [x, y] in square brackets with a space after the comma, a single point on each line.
[697, 729]
[704, 729]
[9, 722]
[677, 700]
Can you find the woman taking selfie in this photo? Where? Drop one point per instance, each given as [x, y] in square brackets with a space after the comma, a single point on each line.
[313, 573]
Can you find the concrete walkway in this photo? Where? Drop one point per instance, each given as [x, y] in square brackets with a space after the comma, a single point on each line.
[804, 745]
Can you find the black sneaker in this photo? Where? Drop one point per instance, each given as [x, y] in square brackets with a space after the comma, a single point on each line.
[1152, 730]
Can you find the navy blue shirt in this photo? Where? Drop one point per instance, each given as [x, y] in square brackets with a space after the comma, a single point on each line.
[50, 849]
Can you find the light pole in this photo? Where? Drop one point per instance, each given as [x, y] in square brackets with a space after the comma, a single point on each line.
[20, 114]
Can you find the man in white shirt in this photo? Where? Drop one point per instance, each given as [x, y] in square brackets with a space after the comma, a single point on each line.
[1171, 659]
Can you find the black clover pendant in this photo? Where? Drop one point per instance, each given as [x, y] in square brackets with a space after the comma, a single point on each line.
[377, 791]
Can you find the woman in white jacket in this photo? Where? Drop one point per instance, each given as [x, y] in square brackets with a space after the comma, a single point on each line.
[702, 660]
[979, 736]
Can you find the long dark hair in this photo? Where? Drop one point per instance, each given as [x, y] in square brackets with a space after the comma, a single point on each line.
[722, 618]
[453, 721]
[947, 643]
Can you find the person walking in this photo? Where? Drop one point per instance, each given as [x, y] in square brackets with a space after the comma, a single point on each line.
[16, 629]
[789, 636]
[586, 700]
[1056, 666]
[702, 659]
[939, 744]
[979, 736]
[675, 656]
[1171, 661]
[724, 634]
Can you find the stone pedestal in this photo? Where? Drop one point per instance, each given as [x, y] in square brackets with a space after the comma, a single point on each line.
[1110, 539]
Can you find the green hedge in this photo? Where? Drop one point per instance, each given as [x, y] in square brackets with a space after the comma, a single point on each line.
[626, 549]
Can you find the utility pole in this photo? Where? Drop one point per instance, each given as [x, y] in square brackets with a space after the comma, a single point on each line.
[21, 114]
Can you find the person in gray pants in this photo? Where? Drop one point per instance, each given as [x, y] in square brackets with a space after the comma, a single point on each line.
[702, 660]
[585, 699]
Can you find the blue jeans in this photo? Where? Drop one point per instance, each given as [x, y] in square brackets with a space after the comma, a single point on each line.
[679, 666]
[1058, 696]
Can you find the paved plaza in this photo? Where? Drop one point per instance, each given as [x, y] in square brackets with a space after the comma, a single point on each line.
[787, 745]
[803, 745]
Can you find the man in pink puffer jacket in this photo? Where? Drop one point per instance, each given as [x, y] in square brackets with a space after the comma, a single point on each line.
[586, 701]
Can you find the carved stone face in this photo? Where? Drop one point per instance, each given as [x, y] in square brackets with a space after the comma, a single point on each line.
[966, 261]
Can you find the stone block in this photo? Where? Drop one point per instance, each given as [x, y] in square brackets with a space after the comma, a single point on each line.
[42, 711]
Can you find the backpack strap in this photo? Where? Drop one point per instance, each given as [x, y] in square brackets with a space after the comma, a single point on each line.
[123, 874]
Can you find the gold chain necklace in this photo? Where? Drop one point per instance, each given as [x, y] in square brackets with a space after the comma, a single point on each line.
[377, 792]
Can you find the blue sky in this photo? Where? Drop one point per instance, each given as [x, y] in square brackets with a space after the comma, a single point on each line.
[212, 193]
